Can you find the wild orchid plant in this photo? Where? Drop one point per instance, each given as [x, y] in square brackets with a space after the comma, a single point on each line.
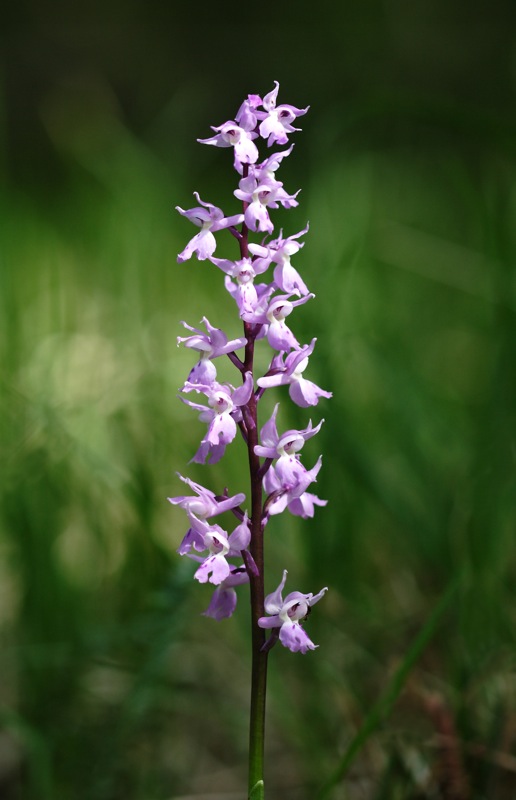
[278, 480]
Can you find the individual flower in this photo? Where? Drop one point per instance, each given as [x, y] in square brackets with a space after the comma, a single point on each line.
[277, 120]
[199, 508]
[260, 194]
[289, 371]
[280, 251]
[240, 282]
[270, 165]
[232, 135]
[279, 335]
[204, 504]
[272, 313]
[215, 568]
[224, 599]
[210, 345]
[287, 615]
[210, 219]
[288, 444]
[224, 403]
[286, 482]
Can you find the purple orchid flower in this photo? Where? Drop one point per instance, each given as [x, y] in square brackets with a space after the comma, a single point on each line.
[287, 615]
[224, 599]
[289, 371]
[222, 415]
[266, 169]
[271, 164]
[210, 345]
[277, 120]
[215, 568]
[286, 483]
[280, 251]
[240, 282]
[199, 508]
[200, 537]
[262, 193]
[279, 335]
[232, 135]
[272, 313]
[210, 219]
[289, 443]
[204, 504]
[249, 298]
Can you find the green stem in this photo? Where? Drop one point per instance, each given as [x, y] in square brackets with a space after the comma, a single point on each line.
[257, 721]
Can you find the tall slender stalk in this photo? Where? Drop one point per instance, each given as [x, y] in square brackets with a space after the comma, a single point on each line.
[263, 309]
[256, 577]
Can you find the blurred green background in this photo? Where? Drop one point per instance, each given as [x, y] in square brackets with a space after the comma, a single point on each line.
[112, 684]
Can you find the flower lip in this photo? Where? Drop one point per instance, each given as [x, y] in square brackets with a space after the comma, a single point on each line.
[290, 442]
[221, 402]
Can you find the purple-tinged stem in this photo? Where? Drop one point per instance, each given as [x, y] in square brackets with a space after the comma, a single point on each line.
[236, 361]
[256, 582]
[256, 577]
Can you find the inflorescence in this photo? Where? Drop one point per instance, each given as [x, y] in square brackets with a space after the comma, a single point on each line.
[225, 558]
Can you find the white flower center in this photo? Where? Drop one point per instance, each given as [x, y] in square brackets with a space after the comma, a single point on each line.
[297, 374]
[221, 403]
[217, 544]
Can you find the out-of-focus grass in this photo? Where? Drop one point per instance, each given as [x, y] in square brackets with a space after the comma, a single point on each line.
[109, 673]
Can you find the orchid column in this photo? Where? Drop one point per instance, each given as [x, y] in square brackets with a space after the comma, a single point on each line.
[278, 480]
